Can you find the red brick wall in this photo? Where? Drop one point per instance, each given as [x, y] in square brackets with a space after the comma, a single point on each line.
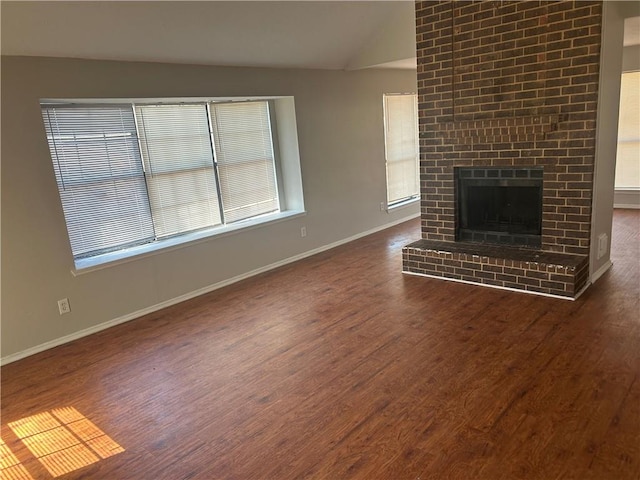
[511, 83]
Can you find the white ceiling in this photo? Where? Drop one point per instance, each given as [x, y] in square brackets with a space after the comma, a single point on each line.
[325, 34]
[298, 34]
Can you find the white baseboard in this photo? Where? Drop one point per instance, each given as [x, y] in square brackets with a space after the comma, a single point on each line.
[187, 296]
[626, 198]
[601, 271]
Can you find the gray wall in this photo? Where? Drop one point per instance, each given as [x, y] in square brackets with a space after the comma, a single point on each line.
[340, 132]
[631, 58]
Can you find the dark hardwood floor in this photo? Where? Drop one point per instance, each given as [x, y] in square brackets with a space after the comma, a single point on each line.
[339, 366]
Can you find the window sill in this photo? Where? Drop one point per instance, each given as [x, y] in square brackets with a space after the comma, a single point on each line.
[86, 265]
[403, 203]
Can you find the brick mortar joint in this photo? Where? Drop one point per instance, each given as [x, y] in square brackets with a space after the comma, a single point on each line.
[503, 122]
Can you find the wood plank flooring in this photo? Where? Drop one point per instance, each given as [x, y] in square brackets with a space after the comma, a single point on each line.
[339, 366]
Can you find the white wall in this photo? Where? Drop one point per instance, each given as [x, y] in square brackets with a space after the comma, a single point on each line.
[614, 13]
[340, 132]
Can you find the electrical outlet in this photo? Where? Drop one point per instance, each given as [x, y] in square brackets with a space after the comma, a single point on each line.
[602, 245]
[63, 306]
[303, 232]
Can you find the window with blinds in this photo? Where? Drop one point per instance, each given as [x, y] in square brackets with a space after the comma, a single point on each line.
[401, 147]
[134, 174]
[628, 153]
[244, 150]
[102, 186]
[178, 158]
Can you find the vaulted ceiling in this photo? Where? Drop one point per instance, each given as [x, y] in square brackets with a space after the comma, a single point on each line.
[329, 34]
[297, 34]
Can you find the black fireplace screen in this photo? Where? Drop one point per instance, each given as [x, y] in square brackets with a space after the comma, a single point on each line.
[499, 205]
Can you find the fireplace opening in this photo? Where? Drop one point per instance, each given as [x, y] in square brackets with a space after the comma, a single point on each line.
[499, 205]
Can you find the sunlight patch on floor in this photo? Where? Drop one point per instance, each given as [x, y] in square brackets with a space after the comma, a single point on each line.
[63, 440]
[10, 466]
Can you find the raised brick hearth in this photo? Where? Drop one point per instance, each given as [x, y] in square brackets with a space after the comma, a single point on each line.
[508, 84]
[499, 266]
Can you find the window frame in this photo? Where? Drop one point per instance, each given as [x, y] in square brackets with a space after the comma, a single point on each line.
[153, 177]
[277, 171]
[415, 197]
[628, 138]
[291, 181]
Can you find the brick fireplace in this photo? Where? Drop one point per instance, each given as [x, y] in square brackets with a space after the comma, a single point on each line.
[507, 89]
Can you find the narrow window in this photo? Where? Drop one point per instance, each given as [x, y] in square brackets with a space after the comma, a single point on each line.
[401, 147]
[628, 155]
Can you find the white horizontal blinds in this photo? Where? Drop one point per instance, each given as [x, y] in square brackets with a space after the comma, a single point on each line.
[401, 140]
[244, 155]
[100, 177]
[628, 154]
[176, 148]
